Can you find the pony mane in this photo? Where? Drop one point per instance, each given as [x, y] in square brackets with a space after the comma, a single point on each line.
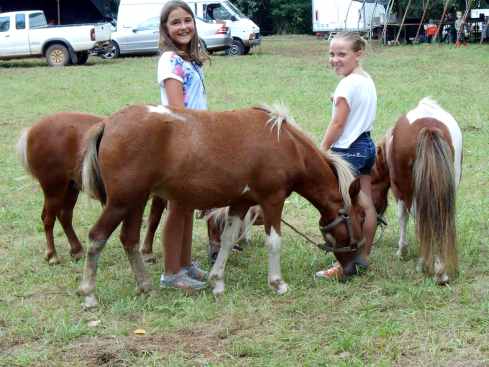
[279, 114]
[344, 173]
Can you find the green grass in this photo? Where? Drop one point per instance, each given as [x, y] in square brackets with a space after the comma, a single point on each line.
[392, 316]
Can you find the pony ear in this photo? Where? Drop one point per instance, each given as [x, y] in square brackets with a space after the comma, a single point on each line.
[354, 190]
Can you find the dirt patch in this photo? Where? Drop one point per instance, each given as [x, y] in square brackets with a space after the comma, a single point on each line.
[116, 351]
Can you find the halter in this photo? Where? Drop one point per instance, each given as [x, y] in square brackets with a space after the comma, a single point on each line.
[329, 246]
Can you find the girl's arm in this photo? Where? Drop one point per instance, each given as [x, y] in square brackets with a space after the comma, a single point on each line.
[174, 93]
[337, 124]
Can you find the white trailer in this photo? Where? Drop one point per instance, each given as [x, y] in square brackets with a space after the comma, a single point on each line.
[347, 15]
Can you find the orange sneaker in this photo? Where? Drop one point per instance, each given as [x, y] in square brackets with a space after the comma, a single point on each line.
[335, 273]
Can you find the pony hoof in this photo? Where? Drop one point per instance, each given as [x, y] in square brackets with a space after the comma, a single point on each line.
[53, 260]
[78, 255]
[279, 286]
[143, 289]
[149, 258]
[90, 303]
[218, 289]
[402, 253]
[442, 280]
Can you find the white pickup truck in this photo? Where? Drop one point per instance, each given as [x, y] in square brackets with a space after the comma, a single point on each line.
[27, 34]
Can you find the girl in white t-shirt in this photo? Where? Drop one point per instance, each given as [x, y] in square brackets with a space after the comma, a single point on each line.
[348, 133]
[181, 83]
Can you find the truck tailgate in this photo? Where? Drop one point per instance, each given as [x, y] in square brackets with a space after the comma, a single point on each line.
[102, 32]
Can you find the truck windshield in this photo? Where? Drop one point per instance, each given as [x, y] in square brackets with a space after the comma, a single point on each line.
[222, 11]
[37, 20]
[234, 9]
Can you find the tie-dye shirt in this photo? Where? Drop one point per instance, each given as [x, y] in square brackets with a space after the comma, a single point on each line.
[172, 66]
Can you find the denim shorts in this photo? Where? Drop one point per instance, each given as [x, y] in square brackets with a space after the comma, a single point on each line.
[361, 154]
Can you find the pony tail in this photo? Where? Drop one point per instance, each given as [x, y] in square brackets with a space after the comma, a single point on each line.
[21, 148]
[92, 182]
[434, 192]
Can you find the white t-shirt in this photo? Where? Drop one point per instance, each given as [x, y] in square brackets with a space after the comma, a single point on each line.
[172, 66]
[360, 94]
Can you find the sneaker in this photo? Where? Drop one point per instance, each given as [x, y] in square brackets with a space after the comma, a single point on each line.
[195, 272]
[335, 273]
[181, 280]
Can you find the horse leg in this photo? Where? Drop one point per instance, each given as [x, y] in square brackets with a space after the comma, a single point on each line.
[48, 217]
[98, 236]
[129, 237]
[65, 216]
[214, 235]
[228, 238]
[403, 217]
[273, 242]
[158, 205]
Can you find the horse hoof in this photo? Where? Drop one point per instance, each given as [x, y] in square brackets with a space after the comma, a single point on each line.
[145, 288]
[442, 279]
[279, 286]
[402, 253]
[78, 255]
[149, 258]
[218, 289]
[53, 260]
[90, 303]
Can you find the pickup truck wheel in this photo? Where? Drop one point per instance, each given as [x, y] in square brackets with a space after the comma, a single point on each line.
[82, 57]
[58, 55]
[112, 53]
[237, 48]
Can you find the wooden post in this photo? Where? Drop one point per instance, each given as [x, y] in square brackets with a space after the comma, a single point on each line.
[390, 4]
[445, 8]
[425, 8]
[402, 23]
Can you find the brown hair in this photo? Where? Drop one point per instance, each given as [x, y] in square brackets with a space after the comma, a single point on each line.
[194, 52]
[357, 42]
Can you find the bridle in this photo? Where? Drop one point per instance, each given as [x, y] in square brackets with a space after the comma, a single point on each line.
[329, 243]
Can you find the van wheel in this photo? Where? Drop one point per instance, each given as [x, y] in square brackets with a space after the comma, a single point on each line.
[82, 57]
[57, 55]
[113, 51]
[237, 48]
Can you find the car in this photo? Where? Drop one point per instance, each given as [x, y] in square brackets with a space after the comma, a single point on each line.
[144, 38]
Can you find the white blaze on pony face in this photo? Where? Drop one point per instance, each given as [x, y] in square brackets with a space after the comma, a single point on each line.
[428, 108]
[163, 110]
[245, 190]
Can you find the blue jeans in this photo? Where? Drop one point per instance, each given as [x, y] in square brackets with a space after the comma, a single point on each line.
[361, 154]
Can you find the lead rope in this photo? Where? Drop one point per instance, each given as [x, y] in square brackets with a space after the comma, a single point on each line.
[301, 234]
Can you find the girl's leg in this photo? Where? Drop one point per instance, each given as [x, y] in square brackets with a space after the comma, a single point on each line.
[173, 235]
[370, 224]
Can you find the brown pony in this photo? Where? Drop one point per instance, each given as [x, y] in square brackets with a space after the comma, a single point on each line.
[51, 151]
[204, 160]
[420, 158]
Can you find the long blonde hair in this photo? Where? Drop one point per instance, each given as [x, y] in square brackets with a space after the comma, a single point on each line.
[194, 53]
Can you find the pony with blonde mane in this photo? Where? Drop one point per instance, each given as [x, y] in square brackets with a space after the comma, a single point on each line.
[422, 155]
[203, 160]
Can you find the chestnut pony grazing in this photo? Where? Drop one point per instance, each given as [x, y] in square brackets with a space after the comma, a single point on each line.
[205, 160]
[51, 152]
[422, 155]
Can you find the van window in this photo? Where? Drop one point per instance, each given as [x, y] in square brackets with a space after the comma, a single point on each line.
[37, 20]
[218, 12]
[20, 21]
[4, 24]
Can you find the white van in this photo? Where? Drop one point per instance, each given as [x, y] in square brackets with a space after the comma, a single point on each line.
[245, 33]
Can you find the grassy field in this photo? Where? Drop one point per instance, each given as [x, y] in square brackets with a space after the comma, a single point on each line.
[392, 316]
